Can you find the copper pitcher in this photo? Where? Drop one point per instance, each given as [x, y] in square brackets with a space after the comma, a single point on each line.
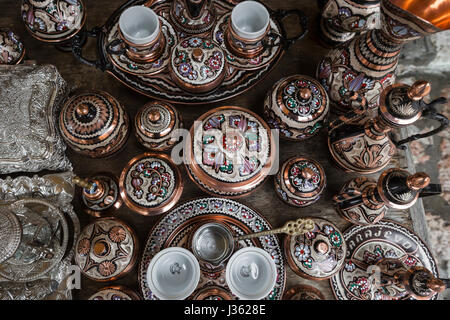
[365, 145]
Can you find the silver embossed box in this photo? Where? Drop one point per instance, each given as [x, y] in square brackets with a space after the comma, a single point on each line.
[30, 96]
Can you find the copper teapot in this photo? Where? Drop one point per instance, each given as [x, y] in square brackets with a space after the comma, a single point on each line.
[399, 281]
[365, 201]
[365, 145]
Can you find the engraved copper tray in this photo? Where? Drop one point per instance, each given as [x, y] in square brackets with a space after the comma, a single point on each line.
[368, 244]
[240, 75]
[175, 228]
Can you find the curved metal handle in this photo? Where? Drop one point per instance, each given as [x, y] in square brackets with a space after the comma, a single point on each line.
[429, 112]
[77, 49]
[115, 43]
[279, 15]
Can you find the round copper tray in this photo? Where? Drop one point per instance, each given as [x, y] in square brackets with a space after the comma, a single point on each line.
[160, 85]
[368, 244]
[175, 227]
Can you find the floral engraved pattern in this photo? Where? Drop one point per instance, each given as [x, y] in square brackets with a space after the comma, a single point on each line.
[150, 181]
[300, 104]
[300, 183]
[49, 18]
[202, 69]
[232, 145]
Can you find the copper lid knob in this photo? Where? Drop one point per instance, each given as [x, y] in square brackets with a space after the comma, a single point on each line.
[96, 191]
[307, 173]
[418, 181]
[197, 54]
[154, 116]
[419, 89]
[82, 110]
[321, 247]
[305, 93]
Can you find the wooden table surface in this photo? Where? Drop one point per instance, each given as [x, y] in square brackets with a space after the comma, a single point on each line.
[302, 58]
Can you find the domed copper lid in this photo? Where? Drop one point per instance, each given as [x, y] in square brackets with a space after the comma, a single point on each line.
[317, 254]
[12, 50]
[298, 105]
[10, 234]
[197, 64]
[155, 123]
[106, 249]
[231, 151]
[94, 124]
[301, 179]
[150, 184]
[53, 21]
[115, 293]
[400, 103]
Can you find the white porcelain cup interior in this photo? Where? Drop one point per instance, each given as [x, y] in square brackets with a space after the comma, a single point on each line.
[249, 19]
[173, 274]
[139, 25]
[251, 273]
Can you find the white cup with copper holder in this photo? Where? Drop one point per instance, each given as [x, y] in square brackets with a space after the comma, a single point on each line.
[140, 35]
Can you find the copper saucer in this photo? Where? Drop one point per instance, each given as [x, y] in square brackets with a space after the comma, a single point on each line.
[369, 244]
[175, 227]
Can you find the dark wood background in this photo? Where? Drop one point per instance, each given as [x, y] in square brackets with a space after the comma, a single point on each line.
[302, 58]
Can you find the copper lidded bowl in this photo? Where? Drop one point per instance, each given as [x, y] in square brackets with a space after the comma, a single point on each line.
[197, 65]
[12, 50]
[231, 151]
[156, 123]
[150, 184]
[298, 106]
[53, 21]
[319, 254]
[106, 249]
[300, 181]
[94, 124]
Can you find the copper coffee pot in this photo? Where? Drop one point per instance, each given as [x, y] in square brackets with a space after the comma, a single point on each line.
[365, 201]
[100, 194]
[365, 145]
[397, 280]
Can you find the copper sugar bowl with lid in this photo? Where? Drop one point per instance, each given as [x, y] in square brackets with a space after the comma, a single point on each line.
[107, 249]
[300, 181]
[151, 184]
[318, 254]
[231, 152]
[197, 65]
[366, 146]
[298, 106]
[156, 124]
[94, 124]
[365, 201]
[54, 21]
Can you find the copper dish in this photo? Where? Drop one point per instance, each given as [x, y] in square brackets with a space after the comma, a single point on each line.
[174, 228]
[150, 184]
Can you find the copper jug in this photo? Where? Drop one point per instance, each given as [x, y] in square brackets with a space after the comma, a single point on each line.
[365, 145]
[193, 16]
[365, 201]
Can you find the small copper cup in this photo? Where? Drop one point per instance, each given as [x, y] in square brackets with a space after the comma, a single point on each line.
[248, 26]
[140, 35]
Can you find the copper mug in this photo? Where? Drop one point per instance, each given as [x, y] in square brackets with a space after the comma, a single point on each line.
[249, 32]
[141, 39]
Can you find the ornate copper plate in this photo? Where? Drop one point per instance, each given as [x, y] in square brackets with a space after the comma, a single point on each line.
[106, 250]
[303, 292]
[115, 293]
[175, 227]
[161, 86]
[369, 244]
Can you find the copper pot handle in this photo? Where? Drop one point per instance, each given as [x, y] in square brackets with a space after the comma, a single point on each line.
[429, 111]
[77, 48]
[279, 15]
